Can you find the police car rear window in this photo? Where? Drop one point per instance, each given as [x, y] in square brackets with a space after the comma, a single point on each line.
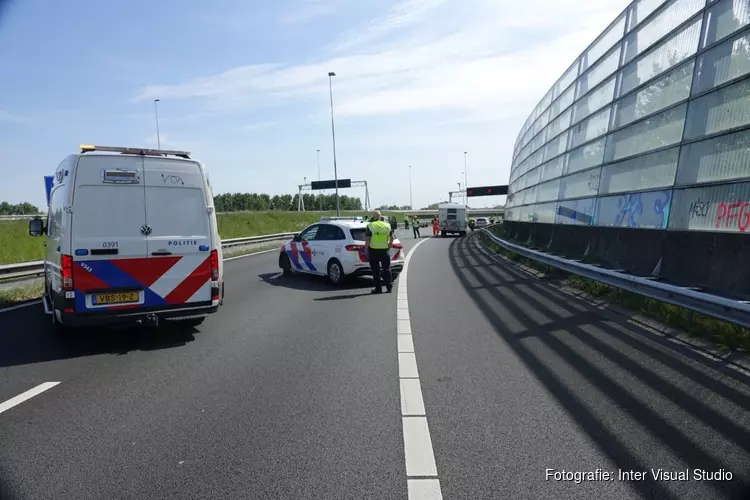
[358, 234]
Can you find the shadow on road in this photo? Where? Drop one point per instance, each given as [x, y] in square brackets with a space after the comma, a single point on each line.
[522, 308]
[26, 336]
[313, 283]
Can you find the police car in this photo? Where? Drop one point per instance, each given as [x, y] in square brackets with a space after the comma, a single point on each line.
[335, 248]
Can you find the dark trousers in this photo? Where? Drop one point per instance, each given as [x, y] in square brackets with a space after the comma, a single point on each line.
[379, 259]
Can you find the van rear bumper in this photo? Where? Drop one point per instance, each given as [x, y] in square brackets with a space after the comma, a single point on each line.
[142, 316]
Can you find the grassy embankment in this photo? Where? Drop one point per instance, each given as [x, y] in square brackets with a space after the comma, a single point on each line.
[725, 336]
[17, 246]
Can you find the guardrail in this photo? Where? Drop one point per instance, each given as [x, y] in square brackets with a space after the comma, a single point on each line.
[25, 270]
[22, 217]
[733, 311]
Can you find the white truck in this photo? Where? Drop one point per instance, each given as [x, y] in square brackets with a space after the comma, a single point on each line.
[453, 219]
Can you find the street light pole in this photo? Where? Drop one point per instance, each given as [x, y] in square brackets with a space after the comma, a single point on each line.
[411, 200]
[320, 197]
[466, 173]
[333, 135]
[156, 114]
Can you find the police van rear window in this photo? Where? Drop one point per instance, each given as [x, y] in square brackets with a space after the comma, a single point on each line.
[452, 210]
[359, 234]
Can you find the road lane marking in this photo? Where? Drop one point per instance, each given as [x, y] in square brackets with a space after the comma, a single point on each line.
[420, 457]
[412, 404]
[424, 489]
[20, 306]
[405, 343]
[407, 365]
[420, 460]
[26, 395]
[251, 253]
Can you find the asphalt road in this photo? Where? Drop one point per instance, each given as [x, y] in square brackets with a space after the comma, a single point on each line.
[292, 391]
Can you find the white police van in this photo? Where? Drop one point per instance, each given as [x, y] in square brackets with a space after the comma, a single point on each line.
[131, 237]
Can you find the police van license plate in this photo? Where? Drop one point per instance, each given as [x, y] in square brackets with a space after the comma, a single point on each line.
[101, 299]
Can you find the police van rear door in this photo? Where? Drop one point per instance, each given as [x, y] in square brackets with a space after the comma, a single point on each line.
[107, 243]
[179, 224]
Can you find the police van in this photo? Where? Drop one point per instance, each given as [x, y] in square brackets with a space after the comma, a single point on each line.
[131, 237]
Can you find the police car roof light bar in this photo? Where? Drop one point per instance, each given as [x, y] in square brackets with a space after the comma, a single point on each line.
[86, 148]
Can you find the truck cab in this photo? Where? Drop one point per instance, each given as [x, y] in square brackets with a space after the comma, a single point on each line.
[453, 219]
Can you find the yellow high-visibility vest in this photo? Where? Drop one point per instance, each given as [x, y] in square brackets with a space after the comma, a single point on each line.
[381, 232]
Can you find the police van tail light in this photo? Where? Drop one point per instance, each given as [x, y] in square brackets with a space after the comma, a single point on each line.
[354, 248]
[66, 272]
[214, 265]
[398, 245]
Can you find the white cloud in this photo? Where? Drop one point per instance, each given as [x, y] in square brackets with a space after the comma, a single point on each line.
[472, 59]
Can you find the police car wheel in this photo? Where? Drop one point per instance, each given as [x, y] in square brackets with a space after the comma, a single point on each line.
[335, 273]
[285, 265]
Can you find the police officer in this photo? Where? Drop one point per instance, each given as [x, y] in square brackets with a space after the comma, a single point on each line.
[378, 241]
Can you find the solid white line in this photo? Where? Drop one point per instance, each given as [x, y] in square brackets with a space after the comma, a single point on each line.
[412, 403]
[403, 326]
[252, 253]
[407, 365]
[26, 395]
[405, 343]
[20, 306]
[424, 489]
[420, 460]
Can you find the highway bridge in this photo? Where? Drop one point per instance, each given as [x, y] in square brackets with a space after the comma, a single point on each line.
[478, 381]
[475, 212]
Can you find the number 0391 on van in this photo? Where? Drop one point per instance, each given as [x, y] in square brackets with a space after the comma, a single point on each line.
[131, 237]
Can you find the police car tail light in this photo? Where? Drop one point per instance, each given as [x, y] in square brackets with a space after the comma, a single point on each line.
[398, 245]
[66, 272]
[354, 248]
[214, 265]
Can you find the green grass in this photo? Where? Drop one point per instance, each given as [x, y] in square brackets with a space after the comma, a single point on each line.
[20, 294]
[724, 335]
[17, 246]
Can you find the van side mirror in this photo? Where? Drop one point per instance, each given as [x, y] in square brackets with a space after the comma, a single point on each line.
[296, 237]
[36, 227]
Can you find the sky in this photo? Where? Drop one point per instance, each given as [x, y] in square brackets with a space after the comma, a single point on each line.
[243, 85]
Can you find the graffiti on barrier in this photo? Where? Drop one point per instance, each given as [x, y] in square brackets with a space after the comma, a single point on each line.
[579, 212]
[644, 210]
[699, 208]
[733, 215]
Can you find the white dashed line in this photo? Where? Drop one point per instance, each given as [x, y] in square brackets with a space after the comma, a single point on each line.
[26, 395]
[420, 458]
[20, 306]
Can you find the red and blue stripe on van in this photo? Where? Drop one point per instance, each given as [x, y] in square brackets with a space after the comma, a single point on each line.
[137, 273]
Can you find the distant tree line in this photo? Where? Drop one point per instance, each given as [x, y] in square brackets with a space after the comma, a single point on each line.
[239, 202]
[18, 209]
[394, 207]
